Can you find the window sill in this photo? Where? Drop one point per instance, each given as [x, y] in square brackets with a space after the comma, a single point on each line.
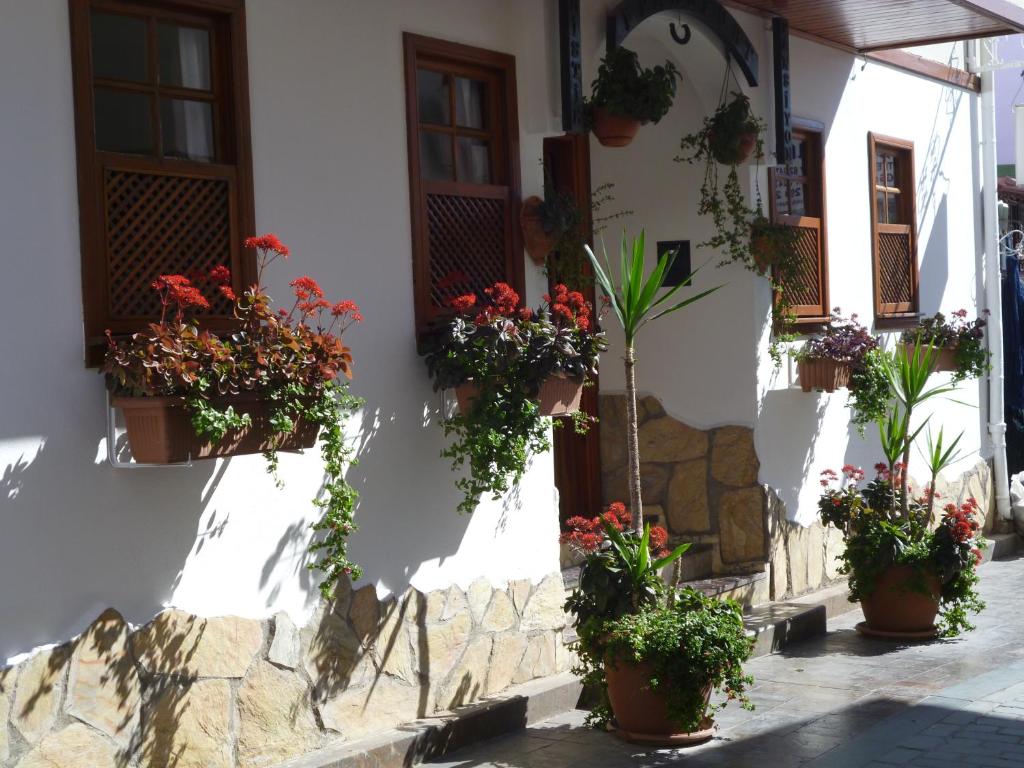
[897, 322]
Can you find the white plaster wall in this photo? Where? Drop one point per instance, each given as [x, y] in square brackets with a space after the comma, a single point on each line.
[329, 138]
[852, 98]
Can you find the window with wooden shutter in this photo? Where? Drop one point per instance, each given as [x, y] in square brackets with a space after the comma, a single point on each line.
[463, 171]
[164, 168]
[893, 231]
[798, 201]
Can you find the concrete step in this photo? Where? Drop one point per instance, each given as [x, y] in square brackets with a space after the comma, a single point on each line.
[1002, 545]
[431, 738]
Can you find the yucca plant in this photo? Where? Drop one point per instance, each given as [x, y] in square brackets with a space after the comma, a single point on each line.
[635, 302]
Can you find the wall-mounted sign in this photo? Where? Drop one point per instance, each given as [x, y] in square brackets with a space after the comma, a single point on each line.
[570, 52]
[783, 106]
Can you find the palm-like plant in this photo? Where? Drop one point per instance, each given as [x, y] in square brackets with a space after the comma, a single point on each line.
[635, 302]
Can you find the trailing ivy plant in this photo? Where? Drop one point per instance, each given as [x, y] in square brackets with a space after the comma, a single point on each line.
[294, 360]
[568, 261]
[505, 353]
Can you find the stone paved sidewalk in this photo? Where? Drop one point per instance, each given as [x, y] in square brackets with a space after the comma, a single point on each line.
[839, 701]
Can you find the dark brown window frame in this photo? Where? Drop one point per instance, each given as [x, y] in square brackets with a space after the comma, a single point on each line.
[229, 82]
[809, 318]
[902, 313]
[420, 51]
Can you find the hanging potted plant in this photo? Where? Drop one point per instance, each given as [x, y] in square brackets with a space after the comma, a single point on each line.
[510, 368]
[277, 383]
[545, 222]
[960, 343]
[909, 559]
[626, 95]
[654, 652]
[826, 363]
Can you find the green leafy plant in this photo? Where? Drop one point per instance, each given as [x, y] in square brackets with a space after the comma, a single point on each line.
[869, 389]
[965, 337]
[295, 360]
[506, 352]
[635, 302]
[624, 87]
[567, 262]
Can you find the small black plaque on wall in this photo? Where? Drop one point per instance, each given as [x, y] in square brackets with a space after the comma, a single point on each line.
[679, 272]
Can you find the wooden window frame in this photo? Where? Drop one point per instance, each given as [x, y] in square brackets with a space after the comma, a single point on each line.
[904, 313]
[813, 137]
[420, 51]
[229, 90]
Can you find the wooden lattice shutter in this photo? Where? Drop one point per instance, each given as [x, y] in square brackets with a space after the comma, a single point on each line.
[893, 221]
[808, 294]
[465, 230]
[894, 265]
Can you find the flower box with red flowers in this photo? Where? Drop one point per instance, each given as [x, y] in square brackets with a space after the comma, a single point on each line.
[188, 393]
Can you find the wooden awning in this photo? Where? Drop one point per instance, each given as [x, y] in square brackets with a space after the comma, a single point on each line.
[872, 25]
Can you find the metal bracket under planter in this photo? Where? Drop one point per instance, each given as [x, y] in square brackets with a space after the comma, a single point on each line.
[112, 458]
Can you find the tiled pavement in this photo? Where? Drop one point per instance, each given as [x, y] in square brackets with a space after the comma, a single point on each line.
[839, 701]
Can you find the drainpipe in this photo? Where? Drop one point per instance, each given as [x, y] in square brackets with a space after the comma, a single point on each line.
[991, 259]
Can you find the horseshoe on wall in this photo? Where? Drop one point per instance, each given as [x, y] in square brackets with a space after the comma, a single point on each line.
[682, 40]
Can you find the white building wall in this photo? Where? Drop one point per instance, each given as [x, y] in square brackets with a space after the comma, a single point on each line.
[329, 137]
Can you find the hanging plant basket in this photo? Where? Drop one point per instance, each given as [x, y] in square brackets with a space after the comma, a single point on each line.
[945, 357]
[823, 374]
[896, 609]
[160, 430]
[641, 713]
[559, 396]
[614, 130]
[538, 242]
[732, 149]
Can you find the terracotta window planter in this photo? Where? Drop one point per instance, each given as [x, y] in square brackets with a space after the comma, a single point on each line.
[160, 430]
[537, 241]
[945, 360]
[823, 374]
[614, 130]
[641, 713]
[895, 609]
[558, 396]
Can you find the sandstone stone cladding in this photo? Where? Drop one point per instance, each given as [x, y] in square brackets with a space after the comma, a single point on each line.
[228, 692]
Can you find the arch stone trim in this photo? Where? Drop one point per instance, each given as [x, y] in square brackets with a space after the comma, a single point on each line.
[625, 17]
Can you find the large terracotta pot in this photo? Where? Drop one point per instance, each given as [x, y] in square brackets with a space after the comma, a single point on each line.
[614, 130]
[945, 360]
[894, 607]
[641, 713]
[819, 373]
[538, 242]
[160, 430]
[559, 396]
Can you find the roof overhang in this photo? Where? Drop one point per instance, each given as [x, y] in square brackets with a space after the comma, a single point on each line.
[873, 25]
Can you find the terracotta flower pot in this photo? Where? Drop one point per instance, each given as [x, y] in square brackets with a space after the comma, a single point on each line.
[894, 607]
[764, 254]
[641, 713]
[560, 396]
[614, 130]
[160, 430]
[945, 360]
[820, 373]
[537, 241]
[733, 154]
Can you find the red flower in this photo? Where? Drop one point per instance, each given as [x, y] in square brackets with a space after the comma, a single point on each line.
[504, 297]
[347, 307]
[526, 313]
[227, 292]
[462, 303]
[268, 242]
[220, 275]
[306, 288]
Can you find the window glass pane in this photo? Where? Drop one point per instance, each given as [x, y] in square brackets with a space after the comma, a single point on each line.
[119, 48]
[474, 160]
[798, 164]
[470, 103]
[184, 54]
[436, 156]
[187, 129]
[123, 122]
[432, 91]
[886, 168]
[893, 206]
[798, 199]
[781, 198]
[880, 205]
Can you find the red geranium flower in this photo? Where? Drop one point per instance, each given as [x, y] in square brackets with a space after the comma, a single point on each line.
[268, 242]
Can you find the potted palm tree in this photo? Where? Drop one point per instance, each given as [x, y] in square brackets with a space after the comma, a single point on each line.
[655, 651]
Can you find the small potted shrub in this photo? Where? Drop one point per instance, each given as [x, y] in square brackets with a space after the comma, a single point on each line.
[654, 652]
[626, 95]
[961, 343]
[825, 363]
[510, 367]
[733, 133]
[545, 221]
[277, 382]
